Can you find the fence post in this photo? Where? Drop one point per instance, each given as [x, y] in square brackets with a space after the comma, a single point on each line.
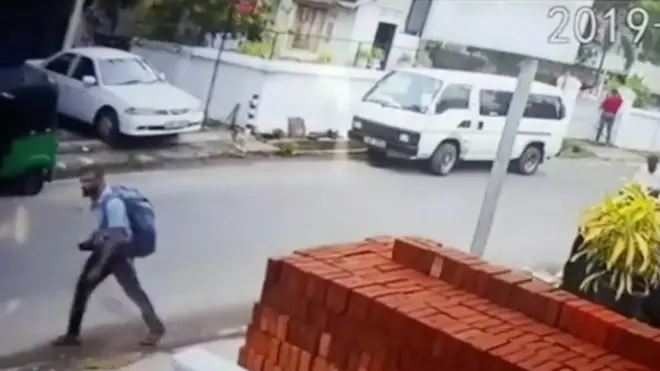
[356, 58]
[273, 44]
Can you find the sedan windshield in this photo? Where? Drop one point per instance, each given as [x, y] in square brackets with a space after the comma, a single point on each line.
[126, 71]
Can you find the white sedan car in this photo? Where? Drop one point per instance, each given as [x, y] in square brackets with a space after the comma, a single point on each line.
[120, 94]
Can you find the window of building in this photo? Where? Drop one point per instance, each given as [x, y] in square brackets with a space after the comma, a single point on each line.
[309, 27]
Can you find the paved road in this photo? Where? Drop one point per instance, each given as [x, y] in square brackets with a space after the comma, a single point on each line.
[219, 224]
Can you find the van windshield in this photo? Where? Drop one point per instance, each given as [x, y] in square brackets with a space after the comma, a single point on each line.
[404, 90]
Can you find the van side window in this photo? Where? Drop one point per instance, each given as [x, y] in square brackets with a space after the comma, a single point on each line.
[539, 106]
[494, 102]
[455, 96]
[544, 107]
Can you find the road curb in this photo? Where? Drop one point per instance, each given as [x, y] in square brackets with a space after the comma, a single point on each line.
[143, 162]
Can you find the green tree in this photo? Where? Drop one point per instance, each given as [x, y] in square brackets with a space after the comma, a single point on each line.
[166, 18]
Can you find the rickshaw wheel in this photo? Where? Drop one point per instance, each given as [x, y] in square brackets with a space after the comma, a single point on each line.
[31, 183]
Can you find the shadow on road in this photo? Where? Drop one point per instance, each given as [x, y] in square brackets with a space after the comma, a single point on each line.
[116, 342]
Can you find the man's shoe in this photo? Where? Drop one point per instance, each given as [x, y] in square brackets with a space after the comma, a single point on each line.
[152, 339]
[66, 341]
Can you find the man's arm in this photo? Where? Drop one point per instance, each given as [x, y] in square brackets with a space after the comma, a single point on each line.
[117, 231]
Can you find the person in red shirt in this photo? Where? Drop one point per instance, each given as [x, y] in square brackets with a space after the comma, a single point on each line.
[608, 110]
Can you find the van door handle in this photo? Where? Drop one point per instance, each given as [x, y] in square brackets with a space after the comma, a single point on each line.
[465, 124]
[480, 125]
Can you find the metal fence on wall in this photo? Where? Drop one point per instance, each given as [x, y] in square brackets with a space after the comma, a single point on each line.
[317, 49]
[346, 52]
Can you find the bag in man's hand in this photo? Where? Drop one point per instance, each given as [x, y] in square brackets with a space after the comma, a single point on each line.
[142, 218]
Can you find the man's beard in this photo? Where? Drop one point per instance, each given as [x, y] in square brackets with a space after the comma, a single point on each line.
[89, 192]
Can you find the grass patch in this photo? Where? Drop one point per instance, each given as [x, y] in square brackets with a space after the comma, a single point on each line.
[575, 148]
[293, 146]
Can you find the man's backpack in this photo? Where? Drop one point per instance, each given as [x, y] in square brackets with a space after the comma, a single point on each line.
[142, 218]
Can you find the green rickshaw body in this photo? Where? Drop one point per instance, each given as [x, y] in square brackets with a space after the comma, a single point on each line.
[28, 139]
[37, 151]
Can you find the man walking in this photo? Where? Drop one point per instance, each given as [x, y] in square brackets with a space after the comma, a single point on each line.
[113, 245]
[648, 175]
[609, 108]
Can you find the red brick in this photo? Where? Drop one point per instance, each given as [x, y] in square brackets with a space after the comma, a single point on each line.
[526, 298]
[413, 254]
[324, 345]
[273, 274]
[317, 317]
[500, 287]
[281, 328]
[319, 364]
[358, 306]
[283, 358]
[269, 364]
[484, 272]
[304, 361]
[258, 363]
[294, 359]
[242, 356]
[273, 349]
[293, 278]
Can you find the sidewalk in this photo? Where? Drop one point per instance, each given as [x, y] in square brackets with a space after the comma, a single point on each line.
[612, 154]
[200, 357]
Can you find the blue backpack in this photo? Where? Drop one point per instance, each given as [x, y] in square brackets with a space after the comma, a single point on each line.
[142, 218]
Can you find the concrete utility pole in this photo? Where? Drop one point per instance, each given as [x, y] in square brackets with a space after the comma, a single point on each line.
[500, 166]
[75, 20]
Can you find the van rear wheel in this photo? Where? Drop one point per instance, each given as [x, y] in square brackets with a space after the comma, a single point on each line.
[444, 159]
[529, 161]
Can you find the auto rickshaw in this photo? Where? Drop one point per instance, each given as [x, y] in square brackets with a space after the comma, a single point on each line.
[28, 123]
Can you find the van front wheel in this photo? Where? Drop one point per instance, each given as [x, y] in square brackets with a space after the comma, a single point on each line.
[444, 159]
[376, 158]
[529, 161]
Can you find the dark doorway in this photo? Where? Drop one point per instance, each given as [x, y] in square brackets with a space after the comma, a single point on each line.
[384, 38]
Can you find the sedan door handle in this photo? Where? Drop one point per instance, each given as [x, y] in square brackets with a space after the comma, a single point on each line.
[465, 124]
[480, 125]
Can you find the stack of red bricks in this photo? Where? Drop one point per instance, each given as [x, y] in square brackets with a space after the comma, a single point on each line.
[410, 304]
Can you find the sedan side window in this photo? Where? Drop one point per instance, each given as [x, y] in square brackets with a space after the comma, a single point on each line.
[455, 96]
[61, 64]
[84, 68]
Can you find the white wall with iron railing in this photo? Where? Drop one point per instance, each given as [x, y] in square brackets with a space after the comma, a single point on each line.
[325, 96]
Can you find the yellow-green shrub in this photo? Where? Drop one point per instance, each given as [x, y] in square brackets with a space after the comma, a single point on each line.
[621, 240]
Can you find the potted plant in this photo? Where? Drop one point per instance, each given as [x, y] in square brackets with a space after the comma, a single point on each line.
[377, 56]
[363, 57]
[324, 57]
[617, 250]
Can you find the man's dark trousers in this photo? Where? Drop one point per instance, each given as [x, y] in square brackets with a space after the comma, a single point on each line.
[124, 271]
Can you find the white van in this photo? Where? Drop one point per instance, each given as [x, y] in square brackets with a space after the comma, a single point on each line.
[444, 116]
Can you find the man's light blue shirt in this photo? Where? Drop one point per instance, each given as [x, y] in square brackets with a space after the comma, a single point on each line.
[115, 210]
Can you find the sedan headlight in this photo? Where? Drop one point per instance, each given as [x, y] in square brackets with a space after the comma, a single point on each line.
[404, 138]
[357, 125]
[142, 111]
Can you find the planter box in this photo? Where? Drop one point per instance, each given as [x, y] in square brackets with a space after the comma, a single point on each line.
[644, 309]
